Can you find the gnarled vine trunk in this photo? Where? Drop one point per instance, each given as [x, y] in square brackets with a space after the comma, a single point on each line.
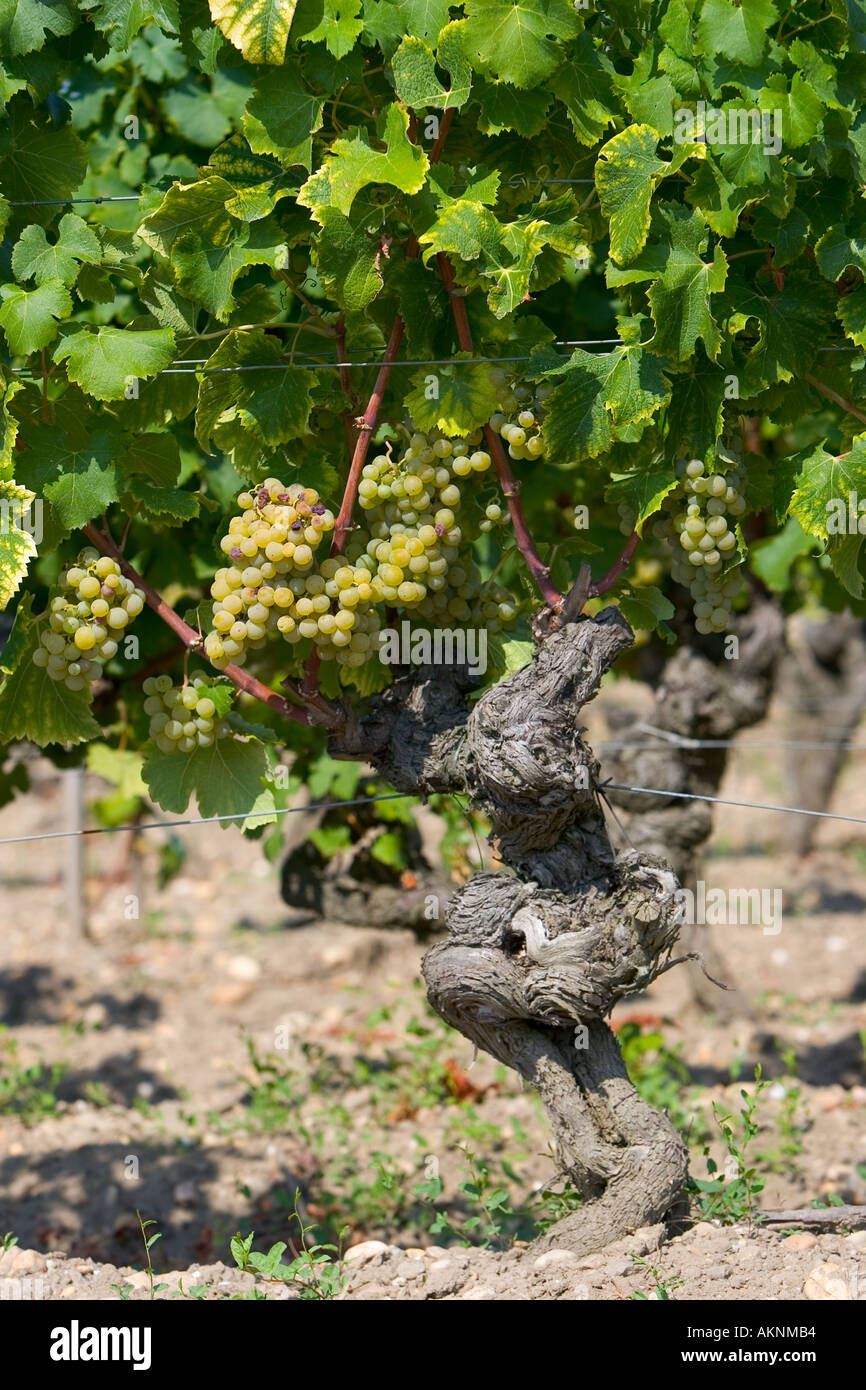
[536, 957]
[822, 684]
[703, 700]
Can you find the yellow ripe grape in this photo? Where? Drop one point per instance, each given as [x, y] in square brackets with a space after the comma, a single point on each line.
[344, 619]
[118, 618]
[303, 555]
[222, 620]
[391, 575]
[283, 597]
[304, 607]
[233, 603]
[286, 623]
[105, 565]
[89, 586]
[85, 639]
[321, 603]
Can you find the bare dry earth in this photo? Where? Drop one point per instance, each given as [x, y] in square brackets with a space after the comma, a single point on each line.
[161, 1110]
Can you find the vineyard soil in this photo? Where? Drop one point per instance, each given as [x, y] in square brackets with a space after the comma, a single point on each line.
[174, 1100]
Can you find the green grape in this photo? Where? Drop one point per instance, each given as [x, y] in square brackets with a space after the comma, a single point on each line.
[94, 598]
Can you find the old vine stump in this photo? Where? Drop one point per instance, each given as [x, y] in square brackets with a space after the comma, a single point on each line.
[538, 954]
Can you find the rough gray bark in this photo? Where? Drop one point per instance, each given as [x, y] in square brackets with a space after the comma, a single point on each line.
[537, 956]
[701, 699]
[822, 685]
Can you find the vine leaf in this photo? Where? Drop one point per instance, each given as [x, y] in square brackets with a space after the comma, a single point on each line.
[643, 488]
[738, 32]
[464, 399]
[79, 482]
[682, 282]
[123, 19]
[35, 258]
[353, 163]
[207, 246]
[348, 259]
[282, 117]
[226, 779]
[105, 360]
[32, 706]
[584, 85]
[273, 403]
[24, 24]
[155, 457]
[259, 28]
[414, 68]
[17, 547]
[792, 323]
[820, 485]
[626, 173]
[516, 40]
[338, 26]
[30, 318]
[38, 160]
[602, 397]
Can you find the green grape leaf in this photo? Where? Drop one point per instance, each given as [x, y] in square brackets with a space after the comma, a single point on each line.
[17, 546]
[8, 426]
[646, 607]
[643, 488]
[696, 412]
[259, 181]
[209, 248]
[79, 482]
[227, 779]
[583, 84]
[626, 173]
[282, 117]
[736, 31]
[30, 318]
[338, 28]
[506, 252]
[39, 160]
[273, 402]
[124, 19]
[772, 557]
[801, 109]
[852, 315]
[792, 323]
[105, 361]
[171, 506]
[414, 68]
[602, 398]
[32, 706]
[155, 457]
[821, 487]
[34, 258]
[844, 553]
[505, 108]
[455, 400]
[25, 23]
[682, 282]
[348, 260]
[259, 28]
[353, 164]
[516, 41]
[119, 766]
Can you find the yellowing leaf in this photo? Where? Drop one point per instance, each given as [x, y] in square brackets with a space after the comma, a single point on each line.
[259, 28]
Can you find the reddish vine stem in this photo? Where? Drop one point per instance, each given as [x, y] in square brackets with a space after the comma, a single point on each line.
[509, 484]
[192, 641]
[618, 568]
[832, 395]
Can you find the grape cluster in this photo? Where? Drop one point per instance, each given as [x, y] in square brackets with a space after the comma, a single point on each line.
[417, 553]
[275, 536]
[703, 539]
[93, 605]
[182, 718]
[517, 419]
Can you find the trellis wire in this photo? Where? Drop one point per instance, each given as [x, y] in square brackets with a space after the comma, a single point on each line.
[203, 820]
[399, 796]
[724, 801]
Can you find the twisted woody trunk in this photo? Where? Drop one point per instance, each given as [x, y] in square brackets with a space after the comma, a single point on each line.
[538, 954]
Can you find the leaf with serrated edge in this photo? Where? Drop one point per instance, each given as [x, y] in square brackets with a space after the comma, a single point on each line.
[225, 779]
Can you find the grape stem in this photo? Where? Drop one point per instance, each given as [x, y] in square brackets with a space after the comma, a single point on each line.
[618, 568]
[509, 484]
[322, 714]
[832, 395]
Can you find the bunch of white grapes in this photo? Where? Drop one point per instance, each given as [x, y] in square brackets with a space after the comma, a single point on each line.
[417, 553]
[182, 718]
[703, 539]
[517, 419]
[276, 534]
[92, 607]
